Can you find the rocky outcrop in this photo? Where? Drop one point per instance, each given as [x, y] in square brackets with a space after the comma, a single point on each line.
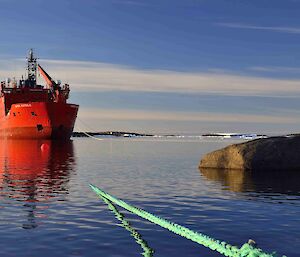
[274, 153]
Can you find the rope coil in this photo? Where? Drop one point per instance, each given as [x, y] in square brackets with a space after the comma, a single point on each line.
[247, 250]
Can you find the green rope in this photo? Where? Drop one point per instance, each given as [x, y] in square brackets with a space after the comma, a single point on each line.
[247, 250]
[148, 252]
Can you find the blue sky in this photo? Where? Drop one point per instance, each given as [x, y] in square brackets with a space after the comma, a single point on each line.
[237, 61]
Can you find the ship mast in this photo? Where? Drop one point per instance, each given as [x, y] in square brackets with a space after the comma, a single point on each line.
[31, 69]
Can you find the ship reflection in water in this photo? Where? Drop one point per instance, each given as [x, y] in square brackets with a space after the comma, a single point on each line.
[284, 182]
[34, 171]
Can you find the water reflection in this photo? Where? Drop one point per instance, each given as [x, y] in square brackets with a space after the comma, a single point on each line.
[34, 171]
[287, 182]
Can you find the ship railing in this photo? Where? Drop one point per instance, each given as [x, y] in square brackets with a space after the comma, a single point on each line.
[19, 90]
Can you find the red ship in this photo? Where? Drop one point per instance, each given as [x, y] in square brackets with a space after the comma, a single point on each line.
[32, 111]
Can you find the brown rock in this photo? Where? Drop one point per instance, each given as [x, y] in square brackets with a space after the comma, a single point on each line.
[274, 153]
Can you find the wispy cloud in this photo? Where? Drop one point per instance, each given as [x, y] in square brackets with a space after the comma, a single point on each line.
[130, 2]
[93, 76]
[185, 122]
[148, 115]
[103, 77]
[277, 69]
[282, 29]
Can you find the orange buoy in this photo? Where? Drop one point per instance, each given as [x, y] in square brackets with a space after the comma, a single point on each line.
[45, 147]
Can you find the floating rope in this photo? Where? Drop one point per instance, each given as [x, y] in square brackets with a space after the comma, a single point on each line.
[247, 250]
[148, 252]
[87, 134]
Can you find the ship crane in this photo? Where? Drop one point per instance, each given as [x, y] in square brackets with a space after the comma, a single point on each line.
[49, 81]
[59, 94]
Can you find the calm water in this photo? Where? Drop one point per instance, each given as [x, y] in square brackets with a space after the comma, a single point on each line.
[48, 209]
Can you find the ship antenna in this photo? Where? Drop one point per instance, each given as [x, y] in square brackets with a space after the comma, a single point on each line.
[31, 68]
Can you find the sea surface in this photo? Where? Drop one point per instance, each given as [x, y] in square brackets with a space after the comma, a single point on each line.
[48, 209]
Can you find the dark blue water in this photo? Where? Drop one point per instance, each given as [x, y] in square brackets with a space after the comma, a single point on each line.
[48, 209]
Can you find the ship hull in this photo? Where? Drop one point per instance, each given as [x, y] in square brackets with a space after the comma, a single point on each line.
[39, 120]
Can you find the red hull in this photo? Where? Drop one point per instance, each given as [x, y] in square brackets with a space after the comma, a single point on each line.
[32, 111]
[38, 120]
